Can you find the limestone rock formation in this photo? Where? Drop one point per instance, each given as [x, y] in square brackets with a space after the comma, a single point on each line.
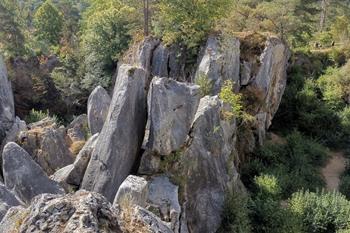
[98, 105]
[7, 200]
[82, 212]
[13, 219]
[77, 130]
[135, 188]
[47, 145]
[171, 109]
[208, 169]
[120, 140]
[163, 196]
[71, 176]
[220, 62]
[23, 176]
[7, 108]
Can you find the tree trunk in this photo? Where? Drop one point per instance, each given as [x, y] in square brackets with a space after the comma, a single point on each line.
[323, 15]
[146, 16]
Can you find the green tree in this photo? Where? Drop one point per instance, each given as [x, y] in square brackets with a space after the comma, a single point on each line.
[48, 21]
[107, 31]
[188, 21]
[11, 35]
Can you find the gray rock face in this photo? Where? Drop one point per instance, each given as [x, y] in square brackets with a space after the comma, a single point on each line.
[73, 174]
[48, 147]
[171, 109]
[160, 60]
[120, 140]
[23, 176]
[133, 187]
[77, 130]
[12, 219]
[220, 62]
[7, 108]
[82, 212]
[98, 105]
[154, 224]
[163, 195]
[13, 133]
[269, 83]
[208, 170]
[7, 200]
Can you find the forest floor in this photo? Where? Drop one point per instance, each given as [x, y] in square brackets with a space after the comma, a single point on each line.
[333, 170]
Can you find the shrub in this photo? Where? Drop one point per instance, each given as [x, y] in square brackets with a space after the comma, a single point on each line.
[300, 158]
[267, 214]
[344, 187]
[205, 84]
[36, 115]
[235, 217]
[235, 103]
[321, 212]
[186, 21]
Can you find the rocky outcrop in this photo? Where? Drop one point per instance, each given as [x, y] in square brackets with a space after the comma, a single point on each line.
[119, 143]
[82, 212]
[135, 188]
[208, 170]
[7, 108]
[23, 176]
[13, 219]
[171, 109]
[163, 198]
[7, 200]
[77, 130]
[268, 85]
[47, 145]
[98, 105]
[220, 62]
[70, 177]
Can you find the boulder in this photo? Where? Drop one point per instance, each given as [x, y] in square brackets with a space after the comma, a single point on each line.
[133, 187]
[268, 82]
[48, 147]
[13, 133]
[153, 223]
[150, 163]
[77, 130]
[13, 219]
[73, 174]
[208, 171]
[160, 61]
[23, 176]
[98, 105]
[171, 108]
[7, 108]
[118, 146]
[163, 196]
[7, 200]
[81, 212]
[220, 62]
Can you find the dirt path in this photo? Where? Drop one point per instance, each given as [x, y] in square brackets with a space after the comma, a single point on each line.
[333, 170]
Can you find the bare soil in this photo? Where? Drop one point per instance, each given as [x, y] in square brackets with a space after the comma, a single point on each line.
[333, 170]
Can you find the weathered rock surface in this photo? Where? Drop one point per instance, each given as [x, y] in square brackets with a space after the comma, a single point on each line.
[270, 82]
[171, 109]
[98, 105]
[7, 108]
[47, 145]
[163, 196]
[7, 200]
[73, 174]
[153, 223]
[82, 212]
[208, 170]
[220, 62]
[77, 130]
[120, 140]
[13, 219]
[23, 176]
[135, 188]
